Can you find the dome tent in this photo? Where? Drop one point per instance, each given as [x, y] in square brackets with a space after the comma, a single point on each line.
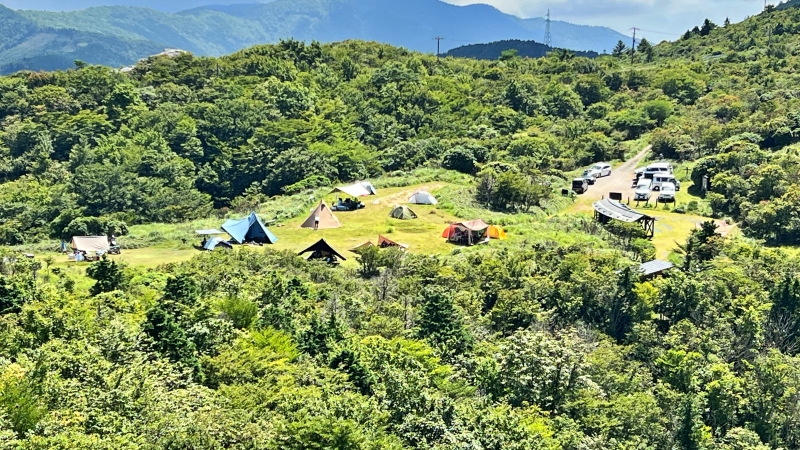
[422, 198]
[403, 213]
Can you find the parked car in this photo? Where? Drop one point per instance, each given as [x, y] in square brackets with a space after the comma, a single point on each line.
[661, 179]
[667, 193]
[589, 177]
[657, 168]
[580, 185]
[642, 191]
[600, 170]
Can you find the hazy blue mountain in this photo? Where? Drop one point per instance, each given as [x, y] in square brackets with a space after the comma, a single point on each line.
[161, 5]
[27, 45]
[493, 50]
[221, 29]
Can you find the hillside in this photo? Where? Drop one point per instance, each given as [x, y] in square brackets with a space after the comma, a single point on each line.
[554, 338]
[493, 50]
[218, 30]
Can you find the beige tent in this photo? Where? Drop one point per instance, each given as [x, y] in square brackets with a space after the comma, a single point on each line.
[90, 244]
[325, 216]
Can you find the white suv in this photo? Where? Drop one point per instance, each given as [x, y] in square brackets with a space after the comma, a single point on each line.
[600, 170]
[667, 193]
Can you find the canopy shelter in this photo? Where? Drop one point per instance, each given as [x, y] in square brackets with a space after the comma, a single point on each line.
[90, 244]
[467, 233]
[322, 250]
[249, 229]
[386, 243]
[422, 198]
[369, 187]
[210, 232]
[607, 210]
[495, 232]
[403, 213]
[215, 242]
[321, 218]
[652, 269]
[355, 190]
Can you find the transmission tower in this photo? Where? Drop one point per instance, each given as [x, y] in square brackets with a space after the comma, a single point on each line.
[548, 37]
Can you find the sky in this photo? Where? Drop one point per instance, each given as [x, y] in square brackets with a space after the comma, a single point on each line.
[663, 19]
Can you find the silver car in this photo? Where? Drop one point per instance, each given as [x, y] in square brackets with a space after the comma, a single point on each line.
[667, 193]
[642, 191]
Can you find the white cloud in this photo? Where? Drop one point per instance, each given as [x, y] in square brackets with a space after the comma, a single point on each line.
[668, 16]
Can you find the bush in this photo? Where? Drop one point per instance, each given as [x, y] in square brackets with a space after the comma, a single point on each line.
[94, 226]
[460, 159]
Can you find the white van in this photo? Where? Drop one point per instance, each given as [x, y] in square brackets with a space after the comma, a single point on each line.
[652, 169]
[661, 179]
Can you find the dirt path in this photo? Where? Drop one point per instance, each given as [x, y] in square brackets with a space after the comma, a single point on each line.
[621, 178]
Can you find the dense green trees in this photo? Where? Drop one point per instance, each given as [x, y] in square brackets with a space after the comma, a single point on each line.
[543, 345]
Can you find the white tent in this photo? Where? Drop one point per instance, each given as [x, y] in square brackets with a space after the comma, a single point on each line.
[369, 187]
[422, 198]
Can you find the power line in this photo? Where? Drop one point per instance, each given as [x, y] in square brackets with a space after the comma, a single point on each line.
[548, 37]
[633, 46]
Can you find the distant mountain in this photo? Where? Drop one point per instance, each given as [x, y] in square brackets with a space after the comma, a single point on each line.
[217, 30]
[493, 50]
[161, 5]
[26, 45]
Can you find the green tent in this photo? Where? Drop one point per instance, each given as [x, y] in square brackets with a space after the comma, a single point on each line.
[403, 212]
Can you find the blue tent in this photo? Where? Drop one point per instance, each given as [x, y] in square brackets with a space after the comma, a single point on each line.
[215, 242]
[249, 229]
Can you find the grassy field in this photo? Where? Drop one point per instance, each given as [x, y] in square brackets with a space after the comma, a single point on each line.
[164, 243]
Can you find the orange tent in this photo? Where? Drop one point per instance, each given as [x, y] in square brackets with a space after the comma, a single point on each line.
[496, 232]
[383, 243]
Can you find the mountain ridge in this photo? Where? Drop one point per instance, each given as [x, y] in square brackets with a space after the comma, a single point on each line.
[222, 29]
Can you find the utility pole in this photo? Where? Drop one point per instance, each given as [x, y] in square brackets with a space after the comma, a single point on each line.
[633, 46]
[438, 42]
[548, 37]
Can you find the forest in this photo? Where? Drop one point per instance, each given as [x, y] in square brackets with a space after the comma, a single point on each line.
[553, 341]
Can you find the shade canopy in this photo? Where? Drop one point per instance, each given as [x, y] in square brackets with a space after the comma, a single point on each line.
[90, 243]
[322, 250]
[210, 232]
[468, 233]
[249, 229]
[355, 190]
[403, 213]
[422, 198]
[325, 216]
